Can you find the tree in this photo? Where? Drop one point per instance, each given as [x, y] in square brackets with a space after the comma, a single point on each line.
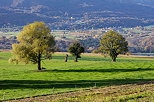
[66, 58]
[114, 44]
[35, 41]
[76, 49]
[148, 44]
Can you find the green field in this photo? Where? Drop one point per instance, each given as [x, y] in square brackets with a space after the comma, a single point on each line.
[20, 81]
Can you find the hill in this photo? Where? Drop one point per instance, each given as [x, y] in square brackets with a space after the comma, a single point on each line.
[61, 14]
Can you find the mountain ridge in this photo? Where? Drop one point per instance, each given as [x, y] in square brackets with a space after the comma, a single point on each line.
[73, 11]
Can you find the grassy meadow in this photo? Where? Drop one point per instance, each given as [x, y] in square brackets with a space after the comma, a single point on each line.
[21, 81]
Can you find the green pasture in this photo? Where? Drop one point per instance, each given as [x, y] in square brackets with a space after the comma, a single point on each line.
[20, 81]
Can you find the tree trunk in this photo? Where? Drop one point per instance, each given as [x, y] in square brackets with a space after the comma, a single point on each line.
[39, 62]
[113, 55]
[76, 59]
[66, 57]
[114, 58]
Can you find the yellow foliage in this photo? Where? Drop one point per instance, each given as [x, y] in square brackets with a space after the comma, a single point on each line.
[34, 41]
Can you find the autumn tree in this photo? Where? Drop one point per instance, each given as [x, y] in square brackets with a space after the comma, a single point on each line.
[35, 41]
[148, 44]
[76, 49]
[114, 44]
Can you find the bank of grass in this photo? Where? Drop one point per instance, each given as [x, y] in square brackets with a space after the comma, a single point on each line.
[20, 81]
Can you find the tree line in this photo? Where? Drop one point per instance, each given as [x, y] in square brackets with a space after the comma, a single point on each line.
[35, 42]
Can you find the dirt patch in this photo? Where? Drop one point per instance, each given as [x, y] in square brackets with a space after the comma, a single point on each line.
[100, 55]
[5, 51]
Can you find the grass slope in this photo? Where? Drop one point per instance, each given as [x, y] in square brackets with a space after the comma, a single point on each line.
[20, 81]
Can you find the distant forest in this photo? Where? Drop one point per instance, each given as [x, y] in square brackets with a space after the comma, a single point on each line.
[141, 45]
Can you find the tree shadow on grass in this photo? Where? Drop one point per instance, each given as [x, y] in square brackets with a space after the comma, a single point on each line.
[101, 70]
[40, 84]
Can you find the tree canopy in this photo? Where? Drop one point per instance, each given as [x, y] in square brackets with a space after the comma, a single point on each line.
[35, 41]
[114, 44]
[76, 49]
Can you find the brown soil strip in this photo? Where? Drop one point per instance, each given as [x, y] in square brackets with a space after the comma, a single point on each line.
[100, 55]
[96, 55]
